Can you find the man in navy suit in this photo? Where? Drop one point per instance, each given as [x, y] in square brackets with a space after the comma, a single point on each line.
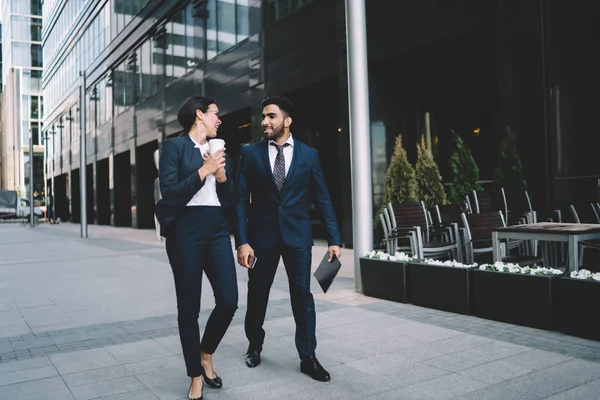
[275, 178]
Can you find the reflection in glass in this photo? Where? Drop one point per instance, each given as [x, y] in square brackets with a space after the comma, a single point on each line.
[145, 62]
[211, 30]
[26, 28]
[27, 7]
[178, 47]
[34, 108]
[277, 9]
[35, 134]
[226, 24]
[242, 20]
[26, 55]
[32, 81]
[378, 161]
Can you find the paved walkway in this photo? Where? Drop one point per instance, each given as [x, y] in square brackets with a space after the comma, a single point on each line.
[95, 318]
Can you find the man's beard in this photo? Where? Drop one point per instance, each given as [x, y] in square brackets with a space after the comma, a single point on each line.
[276, 133]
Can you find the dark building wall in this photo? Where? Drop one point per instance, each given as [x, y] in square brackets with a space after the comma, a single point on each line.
[473, 67]
[303, 48]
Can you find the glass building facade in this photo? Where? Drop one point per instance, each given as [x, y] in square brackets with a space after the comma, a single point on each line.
[23, 103]
[475, 68]
[140, 59]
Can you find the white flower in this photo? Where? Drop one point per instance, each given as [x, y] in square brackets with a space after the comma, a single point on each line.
[448, 263]
[516, 269]
[586, 275]
[371, 254]
[401, 256]
[382, 255]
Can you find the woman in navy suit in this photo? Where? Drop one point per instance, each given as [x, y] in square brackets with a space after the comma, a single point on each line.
[197, 191]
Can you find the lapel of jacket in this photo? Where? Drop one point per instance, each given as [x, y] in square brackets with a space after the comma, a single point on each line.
[264, 150]
[196, 154]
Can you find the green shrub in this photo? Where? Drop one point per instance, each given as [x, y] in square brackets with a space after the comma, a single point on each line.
[463, 170]
[400, 185]
[430, 188]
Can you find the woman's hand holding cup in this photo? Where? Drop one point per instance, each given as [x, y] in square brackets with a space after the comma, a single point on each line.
[212, 163]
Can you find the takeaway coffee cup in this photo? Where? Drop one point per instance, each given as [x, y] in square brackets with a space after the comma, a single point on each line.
[215, 145]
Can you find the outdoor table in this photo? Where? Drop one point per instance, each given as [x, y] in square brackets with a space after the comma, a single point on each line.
[548, 231]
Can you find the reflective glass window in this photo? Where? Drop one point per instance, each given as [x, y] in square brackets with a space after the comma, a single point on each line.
[242, 19]
[226, 24]
[29, 7]
[26, 28]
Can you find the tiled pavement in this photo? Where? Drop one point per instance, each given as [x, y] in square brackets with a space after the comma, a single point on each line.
[95, 318]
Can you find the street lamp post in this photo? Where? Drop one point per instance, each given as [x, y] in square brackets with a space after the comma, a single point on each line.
[59, 126]
[47, 170]
[82, 155]
[31, 208]
[45, 143]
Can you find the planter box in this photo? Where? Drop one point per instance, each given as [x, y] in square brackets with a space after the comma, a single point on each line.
[438, 286]
[514, 298]
[383, 279]
[576, 306]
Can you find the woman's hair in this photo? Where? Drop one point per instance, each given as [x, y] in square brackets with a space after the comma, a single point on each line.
[187, 111]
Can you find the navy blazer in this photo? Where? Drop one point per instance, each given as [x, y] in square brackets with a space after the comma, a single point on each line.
[179, 180]
[261, 221]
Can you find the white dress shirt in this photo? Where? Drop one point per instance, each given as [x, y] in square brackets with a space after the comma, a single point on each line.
[207, 195]
[288, 153]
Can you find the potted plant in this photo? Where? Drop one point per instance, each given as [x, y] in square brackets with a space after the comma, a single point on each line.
[400, 184]
[464, 171]
[509, 169]
[430, 188]
[384, 275]
[576, 300]
[514, 294]
[443, 285]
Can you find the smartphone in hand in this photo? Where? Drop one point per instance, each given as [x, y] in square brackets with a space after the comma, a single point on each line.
[252, 261]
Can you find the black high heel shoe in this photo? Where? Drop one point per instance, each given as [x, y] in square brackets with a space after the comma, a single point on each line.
[216, 383]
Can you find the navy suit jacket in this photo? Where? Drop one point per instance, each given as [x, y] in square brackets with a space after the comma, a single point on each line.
[179, 180]
[263, 215]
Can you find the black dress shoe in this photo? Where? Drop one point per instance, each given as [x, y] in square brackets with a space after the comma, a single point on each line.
[216, 383]
[312, 367]
[252, 357]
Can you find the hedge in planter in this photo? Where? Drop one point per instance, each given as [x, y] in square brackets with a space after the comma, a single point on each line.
[440, 285]
[384, 276]
[509, 293]
[577, 299]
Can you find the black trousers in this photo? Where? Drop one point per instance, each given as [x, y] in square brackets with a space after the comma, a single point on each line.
[200, 243]
[260, 279]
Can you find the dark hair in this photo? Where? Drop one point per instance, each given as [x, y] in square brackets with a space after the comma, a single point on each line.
[282, 102]
[187, 111]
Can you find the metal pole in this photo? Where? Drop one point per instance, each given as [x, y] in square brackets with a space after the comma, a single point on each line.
[52, 178]
[360, 138]
[31, 208]
[46, 174]
[82, 153]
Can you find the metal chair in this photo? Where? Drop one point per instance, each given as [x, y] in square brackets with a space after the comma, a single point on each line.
[397, 240]
[586, 244]
[413, 216]
[478, 238]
